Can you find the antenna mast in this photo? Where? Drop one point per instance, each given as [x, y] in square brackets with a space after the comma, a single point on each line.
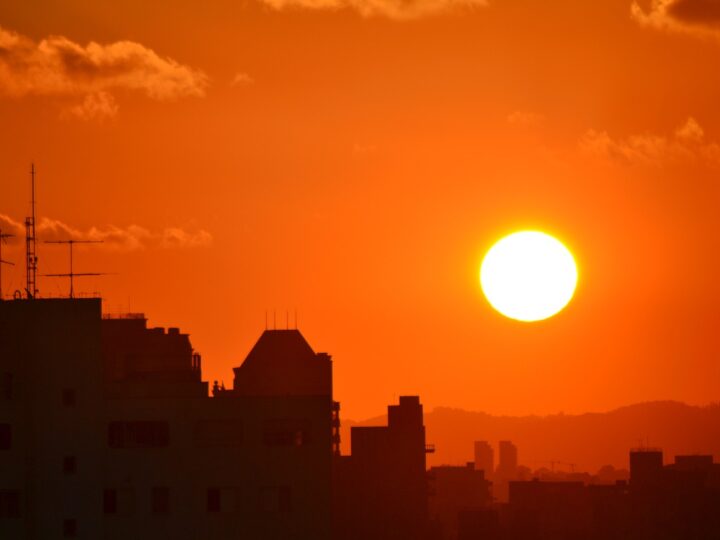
[30, 253]
[2, 240]
[72, 275]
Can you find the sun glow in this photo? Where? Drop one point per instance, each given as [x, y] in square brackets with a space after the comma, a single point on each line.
[528, 276]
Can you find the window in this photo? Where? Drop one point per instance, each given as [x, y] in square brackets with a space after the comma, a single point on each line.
[286, 432]
[110, 501]
[9, 504]
[69, 528]
[145, 434]
[160, 500]
[223, 500]
[5, 436]
[69, 464]
[69, 399]
[213, 500]
[118, 501]
[6, 386]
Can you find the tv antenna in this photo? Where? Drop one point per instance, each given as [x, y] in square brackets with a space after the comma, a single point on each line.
[72, 274]
[30, 253]
[3, 236]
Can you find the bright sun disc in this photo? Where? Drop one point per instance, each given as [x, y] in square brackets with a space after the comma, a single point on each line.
[528, 276]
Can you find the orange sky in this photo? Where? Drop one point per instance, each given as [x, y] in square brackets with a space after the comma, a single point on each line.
[354, 159]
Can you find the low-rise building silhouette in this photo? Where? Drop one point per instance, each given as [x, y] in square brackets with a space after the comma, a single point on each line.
[678, 501]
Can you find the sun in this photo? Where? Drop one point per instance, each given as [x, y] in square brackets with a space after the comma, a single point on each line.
[528, 276]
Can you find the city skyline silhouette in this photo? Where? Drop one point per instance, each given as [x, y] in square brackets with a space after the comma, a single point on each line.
[360, 269]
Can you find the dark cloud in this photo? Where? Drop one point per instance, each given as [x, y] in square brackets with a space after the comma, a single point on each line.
[698, 16]
[695, 11]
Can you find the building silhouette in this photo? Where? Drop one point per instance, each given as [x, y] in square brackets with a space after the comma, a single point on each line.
[484, 458]
[678, 501]
[508, 461]
[454, 490]
[381, 487]
[506, 471]
[646, 468]
[107, 431]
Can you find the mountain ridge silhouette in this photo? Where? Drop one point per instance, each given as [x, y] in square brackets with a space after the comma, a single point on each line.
[586, 440]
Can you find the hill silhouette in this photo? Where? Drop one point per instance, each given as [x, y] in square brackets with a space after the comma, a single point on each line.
[588, 440]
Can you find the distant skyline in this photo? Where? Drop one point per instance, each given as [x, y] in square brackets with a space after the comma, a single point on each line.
[354, 164]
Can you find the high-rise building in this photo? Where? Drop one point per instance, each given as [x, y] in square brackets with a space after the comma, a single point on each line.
[484, 458]
[508, 462]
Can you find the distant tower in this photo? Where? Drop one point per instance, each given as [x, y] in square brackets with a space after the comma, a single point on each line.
[30, 253]
[508, 463]
[484, 458]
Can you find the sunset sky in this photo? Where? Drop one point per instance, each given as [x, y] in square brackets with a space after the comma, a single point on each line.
[354, 159]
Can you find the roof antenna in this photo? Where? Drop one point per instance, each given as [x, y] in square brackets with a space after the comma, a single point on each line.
[3, 236]
[274, 320]
[287, 319]
[296, 324]
[266, 319]
[72, 274]
[30, 253]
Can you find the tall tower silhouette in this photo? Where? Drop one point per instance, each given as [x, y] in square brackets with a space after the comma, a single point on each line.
[30, 244]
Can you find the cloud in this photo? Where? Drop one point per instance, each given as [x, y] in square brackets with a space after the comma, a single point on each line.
[242, 79]
[132, 237]
[695, 16]
[99, 106]
[392, 9]
[174, 237]
[9, 226]
[57, 66]
[686, 145]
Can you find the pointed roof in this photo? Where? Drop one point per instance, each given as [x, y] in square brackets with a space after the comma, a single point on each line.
[289, 345]
[283, 363]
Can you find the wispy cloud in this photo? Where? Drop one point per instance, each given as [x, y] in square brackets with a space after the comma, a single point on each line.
[132, 237]
[57, 66]
[694, 16]
[99, 106]
[241, 79]
[393, 9]
[687, 144]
